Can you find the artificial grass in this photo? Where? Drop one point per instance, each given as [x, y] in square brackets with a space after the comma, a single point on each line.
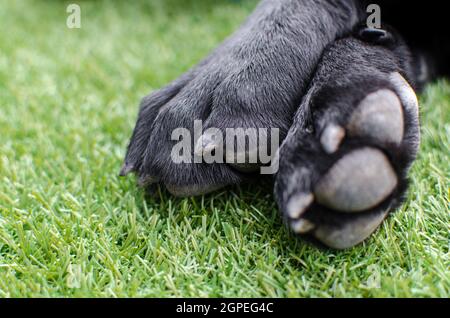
[69, 226]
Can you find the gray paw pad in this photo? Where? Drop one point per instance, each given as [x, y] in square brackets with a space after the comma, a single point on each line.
[352, 233]
[380, 117]
[359, 181]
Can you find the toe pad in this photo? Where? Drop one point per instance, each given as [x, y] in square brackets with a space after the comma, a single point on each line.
[380, 117]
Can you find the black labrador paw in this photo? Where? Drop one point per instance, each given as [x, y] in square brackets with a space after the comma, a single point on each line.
[344, 163]
[253, 80]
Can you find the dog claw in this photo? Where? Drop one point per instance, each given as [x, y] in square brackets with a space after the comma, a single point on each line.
[126, 169]
[205, 144]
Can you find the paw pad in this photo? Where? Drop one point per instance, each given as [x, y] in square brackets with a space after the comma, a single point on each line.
[359, 181]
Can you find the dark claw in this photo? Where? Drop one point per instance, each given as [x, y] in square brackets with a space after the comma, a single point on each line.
[376, 36]
[126, 169]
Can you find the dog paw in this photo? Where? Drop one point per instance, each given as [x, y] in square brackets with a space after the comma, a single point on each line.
[254, 80]
[182, 125]
[344, 163]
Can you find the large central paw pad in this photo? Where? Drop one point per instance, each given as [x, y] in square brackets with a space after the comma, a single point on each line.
[359, 181]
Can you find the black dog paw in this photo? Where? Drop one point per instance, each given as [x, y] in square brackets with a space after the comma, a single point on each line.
[220, 94]
[344, 163]
[253, 80]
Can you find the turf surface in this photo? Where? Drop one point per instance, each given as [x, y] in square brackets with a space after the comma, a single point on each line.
[70, 227]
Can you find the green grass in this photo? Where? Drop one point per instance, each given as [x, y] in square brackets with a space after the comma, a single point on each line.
[70, 227]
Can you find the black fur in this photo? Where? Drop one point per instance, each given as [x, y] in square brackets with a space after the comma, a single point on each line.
[424, 26]
[275, 62]
[256, 78]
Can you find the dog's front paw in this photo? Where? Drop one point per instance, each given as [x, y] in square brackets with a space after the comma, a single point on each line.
[344, 164]
[253, 80]
[226, 92]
